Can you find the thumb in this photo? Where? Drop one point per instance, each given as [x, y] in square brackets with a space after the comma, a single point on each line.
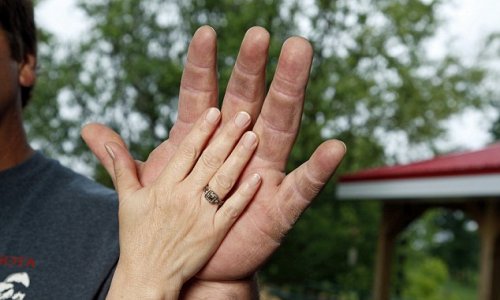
[304, 183]
[124, 169]
[95, 136]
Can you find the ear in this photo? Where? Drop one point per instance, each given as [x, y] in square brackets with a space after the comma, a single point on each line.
[27, 71]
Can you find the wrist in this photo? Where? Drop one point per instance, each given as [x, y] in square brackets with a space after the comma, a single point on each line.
[197, 289]
[130, 283]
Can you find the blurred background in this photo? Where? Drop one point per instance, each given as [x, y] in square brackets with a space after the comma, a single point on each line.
[397, 80]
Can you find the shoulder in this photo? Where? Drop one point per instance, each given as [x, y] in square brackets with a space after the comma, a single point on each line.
[81, 199]
[77, 187]
[83, 188]
[87, 210]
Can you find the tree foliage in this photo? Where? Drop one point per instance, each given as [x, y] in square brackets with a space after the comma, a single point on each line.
[495, 130]
[448, 235]
[371, 81]
[425, 279]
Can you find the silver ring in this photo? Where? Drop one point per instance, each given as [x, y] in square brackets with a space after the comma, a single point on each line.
[211, 196]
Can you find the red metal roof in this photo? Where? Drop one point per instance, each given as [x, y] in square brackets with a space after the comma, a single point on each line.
[483, 161]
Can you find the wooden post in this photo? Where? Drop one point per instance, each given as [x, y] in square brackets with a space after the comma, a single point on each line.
[489, 277]
[395, 218]
[385, 251]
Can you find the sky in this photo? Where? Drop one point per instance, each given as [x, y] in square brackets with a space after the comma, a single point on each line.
[468, 23]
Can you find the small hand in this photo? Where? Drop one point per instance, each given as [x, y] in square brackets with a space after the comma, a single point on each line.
[169, 229]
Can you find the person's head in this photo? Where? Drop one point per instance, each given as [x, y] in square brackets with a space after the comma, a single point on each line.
[18, 47]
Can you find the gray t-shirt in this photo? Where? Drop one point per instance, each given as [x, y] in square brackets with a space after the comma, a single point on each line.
[58, 233]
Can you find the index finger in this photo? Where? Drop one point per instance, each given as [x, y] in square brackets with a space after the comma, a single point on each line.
[198, 92]
[199, 89]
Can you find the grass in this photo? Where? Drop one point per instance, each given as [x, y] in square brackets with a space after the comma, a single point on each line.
[455, 290]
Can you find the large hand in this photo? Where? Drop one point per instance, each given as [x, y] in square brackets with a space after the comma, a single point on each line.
[281, 199]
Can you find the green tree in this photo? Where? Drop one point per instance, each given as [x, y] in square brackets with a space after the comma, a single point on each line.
[445, 234]
[458, 246]
[495, 129]
[425, 279]
[371, 79]
[489, 55]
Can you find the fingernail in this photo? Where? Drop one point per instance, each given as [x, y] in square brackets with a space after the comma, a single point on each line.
[254, 180]
[242, 119]
[212, 115]
[249, 139]
[110, 151]
[345, 146]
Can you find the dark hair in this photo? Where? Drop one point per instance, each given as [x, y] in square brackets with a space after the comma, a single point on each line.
[17, 20]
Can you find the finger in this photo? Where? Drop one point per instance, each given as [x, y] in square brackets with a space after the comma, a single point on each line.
[218, 150]
[189, 150]
[247, 85]
[279, 120]
[303, 184]
[96, 136]
[227, 175]
[199, 89]
[125, 172]
[229, 212]
[197, 93]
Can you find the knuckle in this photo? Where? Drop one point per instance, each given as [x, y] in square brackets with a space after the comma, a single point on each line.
[205, 128]
[210, 160]
[156, 195]
[157, 192]
[231, 135]
[243, 151]
[223, 181]
[230, 212]
[310, 190]
[244, 191]
[188, 151]
[313, 185]
[119, 173]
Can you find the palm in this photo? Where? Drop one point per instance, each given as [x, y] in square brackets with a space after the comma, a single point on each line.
[252, 239]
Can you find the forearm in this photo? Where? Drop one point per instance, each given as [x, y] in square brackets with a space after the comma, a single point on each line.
[223, 290]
